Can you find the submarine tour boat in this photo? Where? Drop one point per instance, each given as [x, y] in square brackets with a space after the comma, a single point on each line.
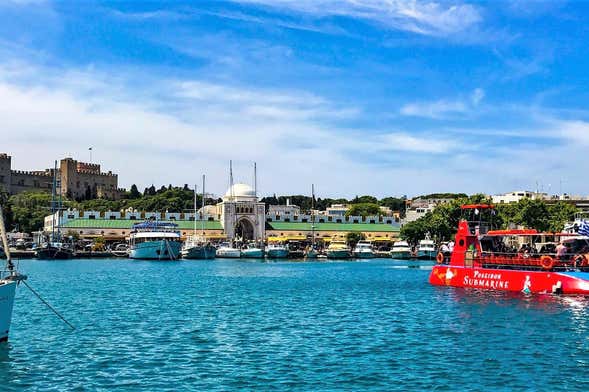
[512, 260]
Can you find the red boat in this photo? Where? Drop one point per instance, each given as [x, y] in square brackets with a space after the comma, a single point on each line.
[512, 260]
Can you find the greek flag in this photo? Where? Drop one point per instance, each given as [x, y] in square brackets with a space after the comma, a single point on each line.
[584, 228]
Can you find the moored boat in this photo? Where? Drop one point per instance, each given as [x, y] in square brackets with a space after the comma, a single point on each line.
[276, 251]
[196, 246]
[154, 240]
[226, 251]
[401, 251]
[338, 249]
[54, 251]
[8, 280]
[490, 259]
[363, 250]
[426, 250]
[252, 251]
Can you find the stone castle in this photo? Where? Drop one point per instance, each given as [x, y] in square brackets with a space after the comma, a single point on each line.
[78, 180]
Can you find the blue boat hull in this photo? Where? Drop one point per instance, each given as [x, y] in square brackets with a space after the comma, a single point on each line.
[7, 291]
[156, 250]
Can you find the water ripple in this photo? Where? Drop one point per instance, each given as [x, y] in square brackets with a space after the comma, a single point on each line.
[231, 325]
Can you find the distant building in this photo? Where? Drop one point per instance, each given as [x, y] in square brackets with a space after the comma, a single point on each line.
[516, 196]
[79, 180]
[417, 208]
[337, 210]
[287, 210]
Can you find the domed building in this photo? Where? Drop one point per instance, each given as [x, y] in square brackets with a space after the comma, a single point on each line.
[242, 215]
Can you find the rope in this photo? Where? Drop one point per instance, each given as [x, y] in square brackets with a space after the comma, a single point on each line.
[49, 306]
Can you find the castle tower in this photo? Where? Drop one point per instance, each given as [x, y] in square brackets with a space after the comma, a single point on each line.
[5, 172]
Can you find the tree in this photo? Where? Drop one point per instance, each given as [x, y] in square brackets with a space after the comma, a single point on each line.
[353, 237]
[363, 209]
[134, 193]
[561, 213]
[365, 199]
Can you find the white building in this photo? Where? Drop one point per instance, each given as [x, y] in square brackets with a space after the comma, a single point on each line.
[516, 196]
[337, 210]
[242, 215]
[287, 210]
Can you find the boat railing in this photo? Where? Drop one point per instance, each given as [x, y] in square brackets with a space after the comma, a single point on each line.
[522, 260]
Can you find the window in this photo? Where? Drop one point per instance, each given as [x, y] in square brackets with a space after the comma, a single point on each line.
[70, 216]
[338, 221]
[112, 217]
[304, 220]
[133, 217]
[269, 220]
[287, 220]
[372, 221]
[91, 216]
[211, 219]
[355, 220]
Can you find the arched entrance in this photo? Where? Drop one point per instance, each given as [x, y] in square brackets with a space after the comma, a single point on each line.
[244, 230]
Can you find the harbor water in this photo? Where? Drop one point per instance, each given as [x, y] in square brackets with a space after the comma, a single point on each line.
[248, 325]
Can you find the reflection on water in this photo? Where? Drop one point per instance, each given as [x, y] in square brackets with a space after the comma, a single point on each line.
[235, 325]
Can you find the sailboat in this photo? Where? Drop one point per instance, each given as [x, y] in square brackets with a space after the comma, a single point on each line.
[55, 248]
[197, 246]
[8, 281]
[312, 252]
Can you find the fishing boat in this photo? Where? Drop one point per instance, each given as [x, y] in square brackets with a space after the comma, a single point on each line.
[154, 240]
[510, 260]
[311, 251]
[197, 246]
[276, 251]
[426, 249]
[364, 250]
[9, 277]
[54, 247]
[338, 249]
[226, 251]
[401, 251]
[252, 251]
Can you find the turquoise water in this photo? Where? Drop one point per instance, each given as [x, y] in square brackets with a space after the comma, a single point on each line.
[235, 325]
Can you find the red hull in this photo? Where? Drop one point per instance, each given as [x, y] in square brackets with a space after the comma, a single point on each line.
[510, 280]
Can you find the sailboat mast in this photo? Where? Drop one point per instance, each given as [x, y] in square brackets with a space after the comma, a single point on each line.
[231, 180]
[9, 264]
[255, 180]
[194, 229]
[53, 190]
[313, 214]
[202, 210]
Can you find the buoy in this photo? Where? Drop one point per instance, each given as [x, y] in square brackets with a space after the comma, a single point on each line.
[546, 262]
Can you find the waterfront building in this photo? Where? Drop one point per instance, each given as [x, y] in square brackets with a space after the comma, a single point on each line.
[79, 180]
[284, 210]
[242, 215]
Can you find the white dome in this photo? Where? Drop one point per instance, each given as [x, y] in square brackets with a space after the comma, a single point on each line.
[240, 191]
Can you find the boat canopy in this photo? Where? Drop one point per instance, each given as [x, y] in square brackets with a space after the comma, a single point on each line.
[527, 232]
[155, 225]
[477, 206]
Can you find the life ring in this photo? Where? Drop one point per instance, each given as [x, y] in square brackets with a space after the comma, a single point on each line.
[440, 258]
[546, 262]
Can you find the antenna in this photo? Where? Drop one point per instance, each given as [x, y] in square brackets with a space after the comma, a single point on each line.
[194, 209]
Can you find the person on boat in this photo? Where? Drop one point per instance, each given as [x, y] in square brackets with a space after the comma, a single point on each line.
[561, 251]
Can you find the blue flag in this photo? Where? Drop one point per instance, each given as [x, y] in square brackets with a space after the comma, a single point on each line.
[584, 228]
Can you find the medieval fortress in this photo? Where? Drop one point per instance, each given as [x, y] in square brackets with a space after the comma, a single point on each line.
[78, 180]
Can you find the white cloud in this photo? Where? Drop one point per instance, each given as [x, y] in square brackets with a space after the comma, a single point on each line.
[443, 109]
[422, 17]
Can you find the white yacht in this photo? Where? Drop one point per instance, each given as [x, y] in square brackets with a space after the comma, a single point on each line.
[155, 241]
[276, 251]
[426, 250]
[226, 251]
[363, 250]
[252, 251]
[401, 250]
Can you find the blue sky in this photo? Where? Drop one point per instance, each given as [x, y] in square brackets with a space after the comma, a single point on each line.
[376, 97]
